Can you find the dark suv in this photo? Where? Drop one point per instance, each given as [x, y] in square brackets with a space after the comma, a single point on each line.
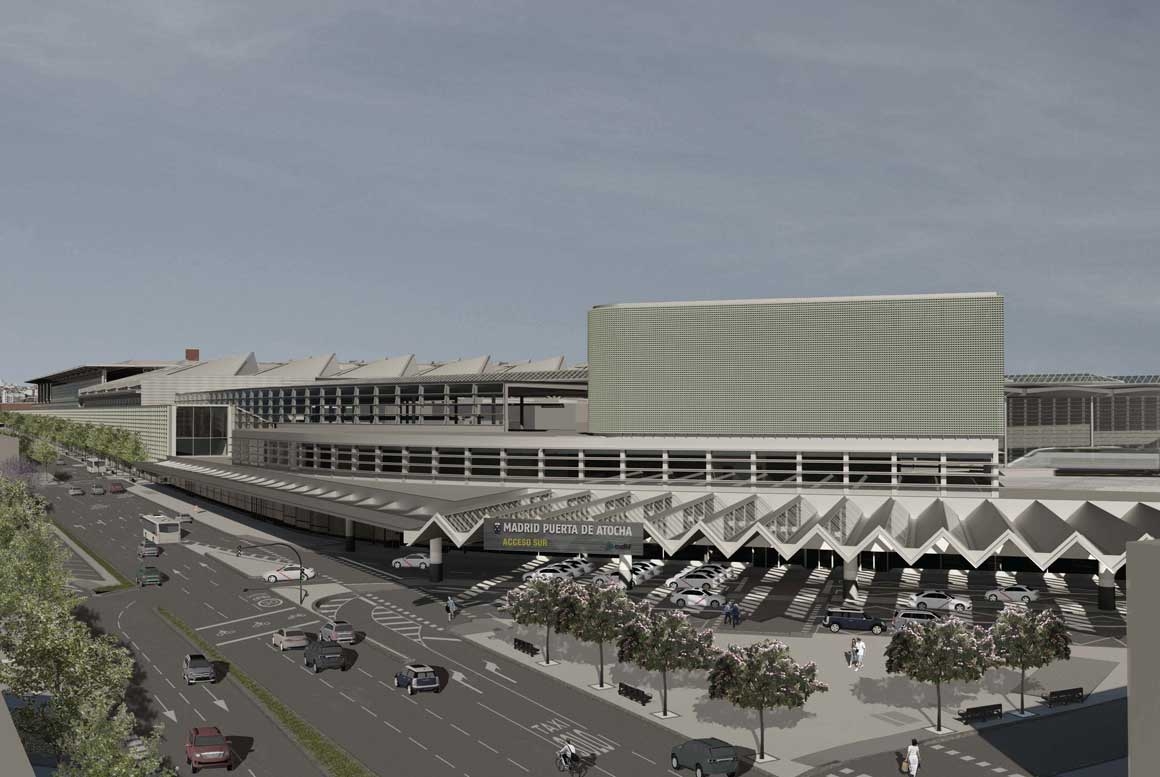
[324, 655]
[705, 756]
[854, 620]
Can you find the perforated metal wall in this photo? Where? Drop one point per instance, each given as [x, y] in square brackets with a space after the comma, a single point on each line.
[880, 366]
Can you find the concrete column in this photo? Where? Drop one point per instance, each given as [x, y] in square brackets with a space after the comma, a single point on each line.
[435, 568]
[625, 569]
[664, 466]
[753, 466]
[850, 578]
[845, 471]
[623, 466]
[1106, 589]
[798, 470]
[580, 465]
[349, 535]
[540, 465]
[708, 467]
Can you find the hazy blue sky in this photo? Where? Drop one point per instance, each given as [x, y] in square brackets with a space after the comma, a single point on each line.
[297, 177]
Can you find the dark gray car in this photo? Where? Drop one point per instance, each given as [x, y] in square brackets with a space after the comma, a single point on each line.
[705, 756]
[324, 655]
[196, 668]
[852, 620]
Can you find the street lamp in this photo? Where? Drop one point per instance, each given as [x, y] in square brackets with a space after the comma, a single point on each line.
[301, 569]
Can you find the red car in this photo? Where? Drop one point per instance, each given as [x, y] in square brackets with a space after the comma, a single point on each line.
[206, 746]
[116, 488]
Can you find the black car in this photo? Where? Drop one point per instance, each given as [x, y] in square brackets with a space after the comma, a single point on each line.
[324, 655]
[852, 620]
[705, 756]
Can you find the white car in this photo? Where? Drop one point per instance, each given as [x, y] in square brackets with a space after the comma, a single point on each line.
[554, 567]
[702, 580]
[288, 572]
[578, 566]
[695, 597]
[412, 561]
[1013, 593]
[557, 573]
[646, 570]
[939, 600]
[726, 570]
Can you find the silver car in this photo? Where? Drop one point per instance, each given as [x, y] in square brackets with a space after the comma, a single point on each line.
[286, 639]
[1013, 593]
[336, 631]
[697, 599]
[412, 561]
[939, 600]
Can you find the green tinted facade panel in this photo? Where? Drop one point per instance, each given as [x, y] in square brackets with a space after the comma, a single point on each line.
[928, 366]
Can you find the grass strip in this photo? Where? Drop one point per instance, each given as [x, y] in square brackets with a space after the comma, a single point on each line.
[112, 570]
[328, 754]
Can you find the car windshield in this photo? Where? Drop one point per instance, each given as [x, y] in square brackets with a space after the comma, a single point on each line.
[209, 740]
[341, 626]
[197, 658]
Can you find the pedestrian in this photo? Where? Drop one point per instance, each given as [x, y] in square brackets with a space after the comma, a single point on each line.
[912, 757]
[859, 654]
[735, 611]
[727, 612]
[451, 608]
[852, 653]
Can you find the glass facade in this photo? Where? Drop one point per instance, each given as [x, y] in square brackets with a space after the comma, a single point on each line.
[1127, 418]
[201, 431]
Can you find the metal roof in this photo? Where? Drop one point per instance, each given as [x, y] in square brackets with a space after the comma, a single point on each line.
[1079, 378]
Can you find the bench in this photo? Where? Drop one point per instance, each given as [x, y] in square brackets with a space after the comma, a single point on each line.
[526, 647]
[1065, 696]
[634, 694]
[983, 712]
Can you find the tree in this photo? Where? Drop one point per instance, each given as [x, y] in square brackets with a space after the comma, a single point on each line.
[1025, 639]
[99, 744]
[943, 651]
[761, 676]
[43, 453]
[601, 611]
[546, 603]
[664, 641]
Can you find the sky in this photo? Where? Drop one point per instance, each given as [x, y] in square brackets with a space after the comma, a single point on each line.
[452, 179]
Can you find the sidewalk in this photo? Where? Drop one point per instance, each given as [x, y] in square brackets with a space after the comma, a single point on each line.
[863, 708]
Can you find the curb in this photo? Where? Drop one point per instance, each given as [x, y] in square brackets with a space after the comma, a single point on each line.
[106, 578]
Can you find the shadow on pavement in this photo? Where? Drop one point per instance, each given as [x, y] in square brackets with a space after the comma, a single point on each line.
[221, 670]
[1094, 734]
[723, 713]
[241, 747]
[349, 659]
[137, 699]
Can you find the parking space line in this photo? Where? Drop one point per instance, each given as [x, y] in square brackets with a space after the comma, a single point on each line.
[392, 725]
[420, 744]
[248, 617]
[461, 731]
[444, 760]
[489, 747]
[324, 682]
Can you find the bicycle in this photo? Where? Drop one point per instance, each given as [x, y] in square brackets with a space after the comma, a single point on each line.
[575, 765]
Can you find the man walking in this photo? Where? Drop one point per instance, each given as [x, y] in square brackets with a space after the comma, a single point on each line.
[727, 612]
[735, 611]
[451, 608]
[859, 654]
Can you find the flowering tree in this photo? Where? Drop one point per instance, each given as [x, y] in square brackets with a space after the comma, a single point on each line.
[663, 641]
[601, 612]
[761, 676]
[1027, 640]
[944, 651]
[547, 603]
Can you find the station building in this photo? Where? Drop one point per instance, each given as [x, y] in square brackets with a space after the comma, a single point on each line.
[852, 431]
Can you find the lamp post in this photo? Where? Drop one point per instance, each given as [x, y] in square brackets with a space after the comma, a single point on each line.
[301, 568]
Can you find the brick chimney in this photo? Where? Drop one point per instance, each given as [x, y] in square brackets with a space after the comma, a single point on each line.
[192, 354]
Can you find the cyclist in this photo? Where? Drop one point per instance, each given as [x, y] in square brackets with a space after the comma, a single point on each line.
[568, 756]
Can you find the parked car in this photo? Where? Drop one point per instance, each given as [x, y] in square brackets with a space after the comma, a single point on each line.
[583, 565]
[116, 488]
[196, 668]
[1013, 593]
[76, 491]
[206, 746]
[285, 639]
[904, 617]
[148, 548]
[97, 490]
[412, 561]
[336, 631]
[695, 597]
[61, 462]
[416, 678]
[552, 572]
[702, 580]
[289, 572]
[705, 756]
[727, 570]
[709, 573]
[147, 575]
[324, 655]
[853, 620]
[939, 600]
[540, 570]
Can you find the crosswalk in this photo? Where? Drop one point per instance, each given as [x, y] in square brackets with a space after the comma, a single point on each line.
[398, 619]
[806, 601]
[752, 600]
[499, 582]
[330, 607]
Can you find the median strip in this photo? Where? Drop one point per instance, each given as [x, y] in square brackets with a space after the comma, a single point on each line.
[110, 570]
[327, 753]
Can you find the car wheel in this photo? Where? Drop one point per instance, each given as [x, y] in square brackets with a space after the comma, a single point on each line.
[875, 629]
[195, 769]
[698, 771]
[315, 668]
[423, 566]
[1027, 600]
[397, 565]
[680, 602]
[992, 597]
[960, 607]
[835, 628]
[675, 763]
[271, 579]
[922, 605]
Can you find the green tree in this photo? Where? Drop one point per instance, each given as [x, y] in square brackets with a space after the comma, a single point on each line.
[944, 651]
[762, 676]
[546, 603]
[664, 641]
[43, 453]
[103, 743]
[1025, 639]
[601, 612]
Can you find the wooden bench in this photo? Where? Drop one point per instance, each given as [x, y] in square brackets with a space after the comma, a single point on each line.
[635, 694]
[983, 712]
[526, 647]
[1064, 696]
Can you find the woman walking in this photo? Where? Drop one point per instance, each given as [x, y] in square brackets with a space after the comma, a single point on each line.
[451, 608]
[912, 757]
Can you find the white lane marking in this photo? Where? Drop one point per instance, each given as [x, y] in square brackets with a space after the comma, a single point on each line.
[638, 755]
[343, 695]
[328, 685]
[383, 684]
[489, 747]
[416, 741]
[374, 641]
[251, 771]
[263, 634]
[530, 731]
[368, 711]
[436, 714]
[461, 731]
[248, 617]
[156, 668]
[392, 725]
[176, 571]
[443, 639]
[368, 674]
[517, 763]
[186, 590]
[146, 655]
[444, 760]
[182, 695]
[211, 582]
[195, 709]
[171, 685]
